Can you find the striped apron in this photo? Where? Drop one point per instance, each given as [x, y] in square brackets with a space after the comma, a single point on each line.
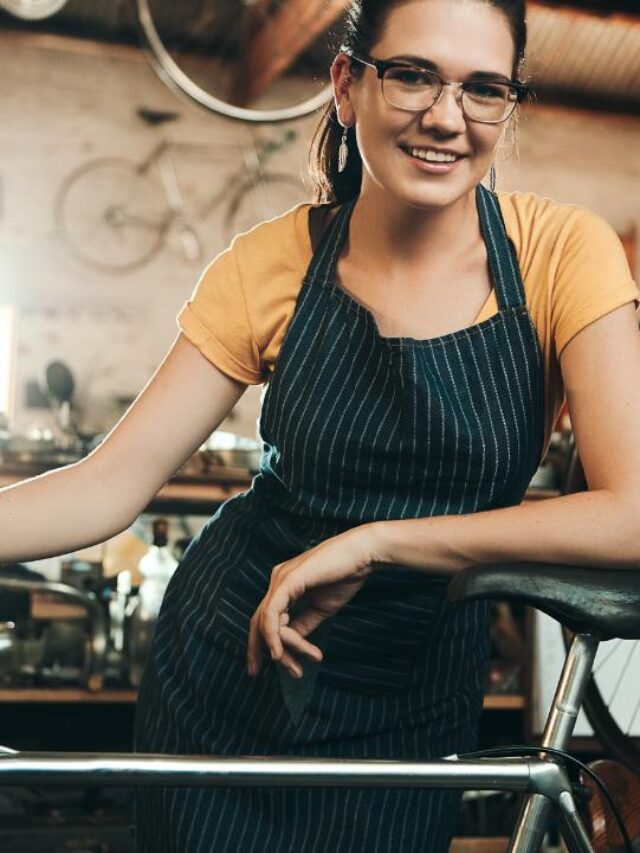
[356, 428]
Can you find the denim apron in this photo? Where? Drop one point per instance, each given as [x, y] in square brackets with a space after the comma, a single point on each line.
[357, 428]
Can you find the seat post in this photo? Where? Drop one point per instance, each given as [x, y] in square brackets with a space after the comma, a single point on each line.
[561, 721]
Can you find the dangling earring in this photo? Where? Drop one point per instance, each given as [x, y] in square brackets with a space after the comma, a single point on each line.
[492, 178]
[343, 151]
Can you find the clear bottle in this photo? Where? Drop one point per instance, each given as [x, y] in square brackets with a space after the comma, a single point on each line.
[156, 567]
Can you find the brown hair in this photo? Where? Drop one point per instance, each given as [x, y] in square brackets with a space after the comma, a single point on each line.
[364, 24]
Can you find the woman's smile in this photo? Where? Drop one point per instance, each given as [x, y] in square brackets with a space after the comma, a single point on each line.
[426, 160]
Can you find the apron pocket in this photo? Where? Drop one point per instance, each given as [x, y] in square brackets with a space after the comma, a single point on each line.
[377, 638]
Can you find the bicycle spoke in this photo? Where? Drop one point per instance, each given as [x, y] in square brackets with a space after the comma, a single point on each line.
[612, 650]
[622, 673]
[633, 718]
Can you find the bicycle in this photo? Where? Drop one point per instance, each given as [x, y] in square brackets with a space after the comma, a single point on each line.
[616, 724]
[33, 10]
[595, 604]
[253, 42]
[115, 215]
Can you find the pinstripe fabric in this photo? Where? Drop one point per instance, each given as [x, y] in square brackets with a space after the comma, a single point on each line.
[356, 428]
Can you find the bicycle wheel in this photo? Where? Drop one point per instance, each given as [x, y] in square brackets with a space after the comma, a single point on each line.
[264, 198]
[111, 216]
[33, 10]
[612, 696]
[252, 60]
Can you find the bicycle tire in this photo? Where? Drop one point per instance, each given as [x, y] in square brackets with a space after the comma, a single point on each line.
[32, 10]
[248, 208]
[181, 83]
[78, 198]
[605, 720]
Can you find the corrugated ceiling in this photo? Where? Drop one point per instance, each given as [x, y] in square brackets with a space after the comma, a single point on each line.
[589, 57]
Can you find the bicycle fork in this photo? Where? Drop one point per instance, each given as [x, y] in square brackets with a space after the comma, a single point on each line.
[555, 787]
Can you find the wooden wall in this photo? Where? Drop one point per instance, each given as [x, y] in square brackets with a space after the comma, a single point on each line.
[64, 102]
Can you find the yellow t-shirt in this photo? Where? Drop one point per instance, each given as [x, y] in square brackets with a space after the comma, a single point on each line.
[572, 262]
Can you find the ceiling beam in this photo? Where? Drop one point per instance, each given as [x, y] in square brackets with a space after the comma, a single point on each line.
[275, 42]
[629, 9]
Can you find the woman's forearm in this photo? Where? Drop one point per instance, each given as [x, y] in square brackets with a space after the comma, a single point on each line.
[59, 512]
[596, 528]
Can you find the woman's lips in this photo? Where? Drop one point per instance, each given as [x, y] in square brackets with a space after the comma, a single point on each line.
[430, 166]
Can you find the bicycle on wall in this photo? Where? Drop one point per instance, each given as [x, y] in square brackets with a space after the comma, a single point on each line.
[114, 214]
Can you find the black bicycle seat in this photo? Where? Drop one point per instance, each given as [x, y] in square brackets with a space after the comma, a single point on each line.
[605, 602]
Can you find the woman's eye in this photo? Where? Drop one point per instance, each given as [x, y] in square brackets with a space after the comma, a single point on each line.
[409, 77]
[487, 91]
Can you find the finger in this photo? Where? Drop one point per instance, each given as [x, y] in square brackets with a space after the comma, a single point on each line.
[254, 646]
[272, 608]
[295, 642]
[289, 662]
[306, 622]
[284, 618]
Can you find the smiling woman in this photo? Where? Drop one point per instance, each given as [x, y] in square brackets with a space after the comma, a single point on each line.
[411, 328]
[416, 332]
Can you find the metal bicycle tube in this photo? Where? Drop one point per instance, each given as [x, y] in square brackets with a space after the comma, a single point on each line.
[124, 769]
[561, 721]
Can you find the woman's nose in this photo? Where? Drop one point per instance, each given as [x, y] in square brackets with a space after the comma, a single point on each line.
[446, 114]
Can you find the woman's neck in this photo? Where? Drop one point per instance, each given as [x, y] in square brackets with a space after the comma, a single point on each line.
[385, 232]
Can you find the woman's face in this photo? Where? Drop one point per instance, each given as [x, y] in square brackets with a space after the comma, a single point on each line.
[459, 37]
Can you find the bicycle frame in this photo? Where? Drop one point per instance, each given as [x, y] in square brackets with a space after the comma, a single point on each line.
[544, 780]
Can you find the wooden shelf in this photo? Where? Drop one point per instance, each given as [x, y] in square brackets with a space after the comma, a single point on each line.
[479, 845]
[52, 695]
[498, 702]
[44, 695]
[197, 493]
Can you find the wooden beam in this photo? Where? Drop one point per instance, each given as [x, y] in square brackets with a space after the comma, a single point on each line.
[621, 10]
[279, 40]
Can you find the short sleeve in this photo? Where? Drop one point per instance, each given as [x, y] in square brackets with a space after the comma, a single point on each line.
[216, 320]
[591, 278]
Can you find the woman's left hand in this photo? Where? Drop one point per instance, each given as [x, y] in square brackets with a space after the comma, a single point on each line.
[328, 576]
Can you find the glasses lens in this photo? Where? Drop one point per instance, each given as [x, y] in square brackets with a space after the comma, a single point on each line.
[410, 88]
[489, 101]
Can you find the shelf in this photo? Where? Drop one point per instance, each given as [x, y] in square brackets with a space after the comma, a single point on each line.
[44, 695]
[498, 702]
[198, 494]
[479, 845]
[52, 695]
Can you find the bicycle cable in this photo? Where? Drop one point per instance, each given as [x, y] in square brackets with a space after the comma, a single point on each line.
[515, 751]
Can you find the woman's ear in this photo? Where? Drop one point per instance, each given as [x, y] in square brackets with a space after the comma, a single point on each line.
[342, 80]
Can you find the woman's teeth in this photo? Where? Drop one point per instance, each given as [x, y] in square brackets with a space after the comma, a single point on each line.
[433, 156]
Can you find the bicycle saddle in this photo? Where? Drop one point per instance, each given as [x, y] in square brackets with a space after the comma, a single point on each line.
[605, 602]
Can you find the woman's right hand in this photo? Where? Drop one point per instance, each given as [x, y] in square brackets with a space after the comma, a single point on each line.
[89, 501]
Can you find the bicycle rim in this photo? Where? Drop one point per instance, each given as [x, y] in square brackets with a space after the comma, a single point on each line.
[614, 719]
[81, 206]
[189, 68]
[263, 199]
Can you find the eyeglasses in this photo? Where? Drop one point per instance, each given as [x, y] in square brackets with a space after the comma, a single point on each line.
[416, 89]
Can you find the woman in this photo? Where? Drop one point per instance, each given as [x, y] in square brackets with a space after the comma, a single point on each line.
[416, 331]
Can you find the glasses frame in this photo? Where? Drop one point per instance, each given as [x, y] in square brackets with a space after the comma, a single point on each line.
[522, 90]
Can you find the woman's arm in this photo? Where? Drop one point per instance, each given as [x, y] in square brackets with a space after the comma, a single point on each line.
[601, 373]
[91, 500]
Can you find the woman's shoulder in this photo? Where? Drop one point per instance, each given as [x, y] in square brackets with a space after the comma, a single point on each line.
[280, 243]
[535, 220]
